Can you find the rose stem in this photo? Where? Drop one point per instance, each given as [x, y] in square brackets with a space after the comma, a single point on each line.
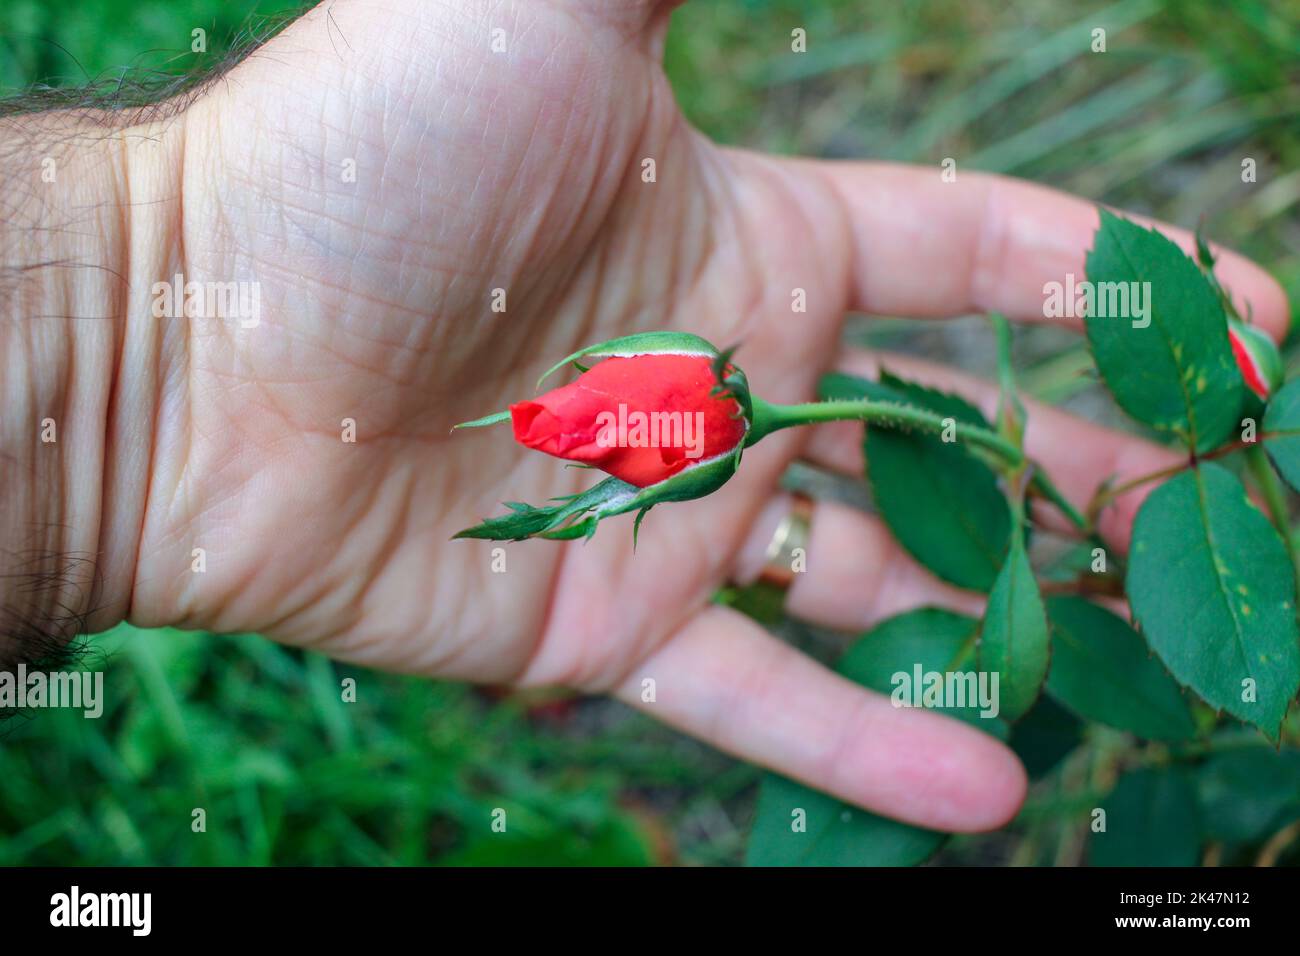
[1275, 499]
[769, 418]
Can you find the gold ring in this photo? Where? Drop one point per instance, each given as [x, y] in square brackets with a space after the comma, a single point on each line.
[789, 543]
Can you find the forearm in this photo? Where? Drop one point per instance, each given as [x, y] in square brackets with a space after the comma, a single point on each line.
[85, 201]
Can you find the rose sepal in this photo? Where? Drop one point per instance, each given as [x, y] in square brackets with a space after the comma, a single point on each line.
[733, 383]
[494, 419]
[576, 516]
[642, 343]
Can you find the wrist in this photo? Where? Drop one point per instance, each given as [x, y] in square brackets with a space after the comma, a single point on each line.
[90, 206]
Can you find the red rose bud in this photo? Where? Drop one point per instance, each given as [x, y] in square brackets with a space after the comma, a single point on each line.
[641, 419]
[665, 414]
[1257, 357]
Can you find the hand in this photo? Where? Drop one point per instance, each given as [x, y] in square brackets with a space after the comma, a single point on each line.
[522, 170]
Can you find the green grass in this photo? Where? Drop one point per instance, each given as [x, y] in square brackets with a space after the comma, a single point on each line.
[1159, 123]
[257, 736]
[75, 42]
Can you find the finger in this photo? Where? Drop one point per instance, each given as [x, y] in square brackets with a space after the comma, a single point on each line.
[855, 572]
[1078, 455]
[985, 243]
[724, 679]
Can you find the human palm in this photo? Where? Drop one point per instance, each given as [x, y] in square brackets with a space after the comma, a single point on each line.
[381, 171]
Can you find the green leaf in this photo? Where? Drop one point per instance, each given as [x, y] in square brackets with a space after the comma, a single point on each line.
[1282, 432]
[485, 420]
[941, 502]
[1212, 589]
[1177, 373]
[835, 833]
[944, 403]
[762, 601]
[1014, 640]
[642, 343]
[1045, 736]
[1102, 670]
[1152, 819]
[1247, 795]
[929, 640]
[837, 386]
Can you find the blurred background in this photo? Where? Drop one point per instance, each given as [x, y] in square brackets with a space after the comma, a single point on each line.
[257, 735]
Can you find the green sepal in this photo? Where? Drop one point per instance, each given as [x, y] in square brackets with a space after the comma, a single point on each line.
[636, 525]
[493, 419]
[642, 343]
[732, 383]
[577, 516]
[1204, 255]
[1206, 259]
[1011, 411]
[527, 521]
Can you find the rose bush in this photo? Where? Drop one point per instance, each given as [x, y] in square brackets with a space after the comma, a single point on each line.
[1210, 580]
